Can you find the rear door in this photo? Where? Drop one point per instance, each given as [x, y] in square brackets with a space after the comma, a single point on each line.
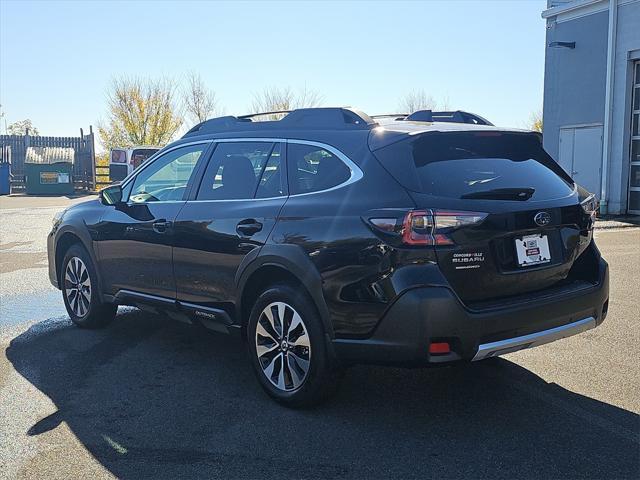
[507, 217]
[232, 213]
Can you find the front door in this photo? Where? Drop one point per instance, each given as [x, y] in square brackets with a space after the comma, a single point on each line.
[232, 213]
[135, 238]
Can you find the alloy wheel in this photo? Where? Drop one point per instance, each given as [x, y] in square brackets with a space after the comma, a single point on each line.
[77, 286]
[283, 346]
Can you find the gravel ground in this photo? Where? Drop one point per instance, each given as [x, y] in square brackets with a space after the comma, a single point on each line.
[151, 398]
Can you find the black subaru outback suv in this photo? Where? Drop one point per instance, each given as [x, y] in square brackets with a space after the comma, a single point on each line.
[329, 238]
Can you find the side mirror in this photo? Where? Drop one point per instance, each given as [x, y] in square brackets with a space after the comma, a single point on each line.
[111, 195]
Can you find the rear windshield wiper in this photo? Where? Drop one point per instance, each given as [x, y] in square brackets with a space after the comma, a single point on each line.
[521, 194]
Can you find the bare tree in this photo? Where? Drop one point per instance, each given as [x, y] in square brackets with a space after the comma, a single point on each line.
[307, 98]
[444, 104]
[274, 99]
[141, 112]
[199, 102]
[417, 100]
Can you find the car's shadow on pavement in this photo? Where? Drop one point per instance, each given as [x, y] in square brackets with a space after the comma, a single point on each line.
[156, 399]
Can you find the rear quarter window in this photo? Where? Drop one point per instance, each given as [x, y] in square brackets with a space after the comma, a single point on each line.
[314, 169]
[467, 165]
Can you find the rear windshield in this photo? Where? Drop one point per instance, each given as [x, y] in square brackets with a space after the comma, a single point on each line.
[480, 165]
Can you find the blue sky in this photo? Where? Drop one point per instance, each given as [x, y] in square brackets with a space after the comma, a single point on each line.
[57, 58]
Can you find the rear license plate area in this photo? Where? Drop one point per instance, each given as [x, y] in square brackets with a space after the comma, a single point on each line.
[532, 250]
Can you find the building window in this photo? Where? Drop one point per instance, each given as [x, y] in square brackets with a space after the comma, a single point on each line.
[634, 171]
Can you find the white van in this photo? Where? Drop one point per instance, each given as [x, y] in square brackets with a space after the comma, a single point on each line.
[123, 161]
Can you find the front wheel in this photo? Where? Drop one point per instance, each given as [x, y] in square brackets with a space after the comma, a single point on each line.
[286, 343]
[79, 284]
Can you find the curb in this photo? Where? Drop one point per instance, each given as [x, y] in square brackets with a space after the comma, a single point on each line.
[615, 226]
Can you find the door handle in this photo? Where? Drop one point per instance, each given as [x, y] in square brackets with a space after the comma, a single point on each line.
[161, 226]
[248, 227]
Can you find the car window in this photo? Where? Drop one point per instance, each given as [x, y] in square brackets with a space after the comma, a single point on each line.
[234, 170]
[476, 165]
[272, 182]
[118, 156]
[312, 169]
[141, 155]
[167, 177]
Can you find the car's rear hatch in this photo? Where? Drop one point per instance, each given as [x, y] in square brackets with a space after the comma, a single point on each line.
[507, 219]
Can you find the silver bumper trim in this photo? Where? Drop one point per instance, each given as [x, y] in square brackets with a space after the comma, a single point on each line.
[509, 345]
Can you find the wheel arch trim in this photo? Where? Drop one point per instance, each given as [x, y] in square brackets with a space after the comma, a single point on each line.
[86, 241]
[294, 260]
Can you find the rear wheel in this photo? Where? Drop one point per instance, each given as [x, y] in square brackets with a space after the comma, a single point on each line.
[79, 290]
[286, 342]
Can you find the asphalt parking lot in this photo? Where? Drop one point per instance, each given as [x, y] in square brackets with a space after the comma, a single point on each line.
[151, 398]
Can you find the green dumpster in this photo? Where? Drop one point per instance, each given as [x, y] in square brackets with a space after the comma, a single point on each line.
[49, 171]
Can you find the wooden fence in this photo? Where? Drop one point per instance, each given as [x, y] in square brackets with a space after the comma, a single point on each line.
[84, 161]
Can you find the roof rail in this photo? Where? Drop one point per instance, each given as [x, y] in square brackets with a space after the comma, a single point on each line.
[457, 116]
[306, 118]
[397, 116]
[264, 114]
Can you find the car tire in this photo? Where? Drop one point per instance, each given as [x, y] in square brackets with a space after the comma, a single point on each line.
[285, 330]
[79, 285]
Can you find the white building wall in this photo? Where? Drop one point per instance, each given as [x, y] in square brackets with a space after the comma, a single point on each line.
[574, 80]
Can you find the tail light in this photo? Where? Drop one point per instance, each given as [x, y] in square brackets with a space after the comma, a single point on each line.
[417, 228]
[590, 208]
[434, 227]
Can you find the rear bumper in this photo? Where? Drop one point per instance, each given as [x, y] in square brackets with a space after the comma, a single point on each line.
[493, 349]
[424, 315]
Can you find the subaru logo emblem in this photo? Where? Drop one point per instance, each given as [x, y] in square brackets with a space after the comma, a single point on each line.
[542, 219]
